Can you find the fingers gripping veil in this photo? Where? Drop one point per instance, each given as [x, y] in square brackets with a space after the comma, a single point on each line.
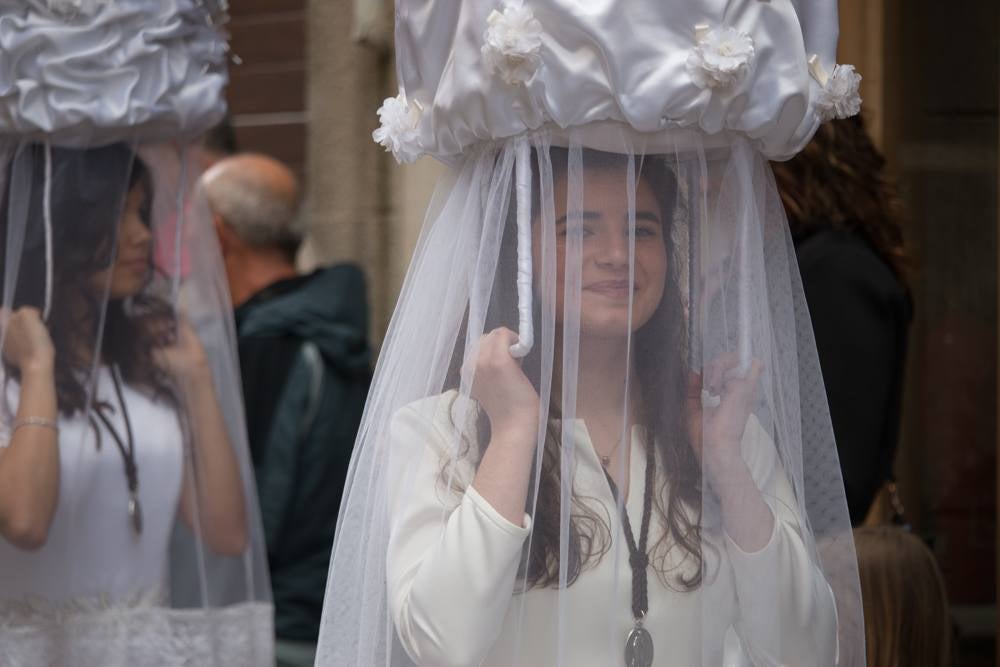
[129, 533]
[598, 433]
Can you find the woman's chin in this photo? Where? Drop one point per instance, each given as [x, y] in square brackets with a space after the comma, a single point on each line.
[126, 290]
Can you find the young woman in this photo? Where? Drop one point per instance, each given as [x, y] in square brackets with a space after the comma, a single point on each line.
[112, 426]
[597, 432]
[480, 547]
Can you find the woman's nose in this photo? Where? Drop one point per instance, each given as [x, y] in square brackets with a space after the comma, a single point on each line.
[136, 232]
[614, 250]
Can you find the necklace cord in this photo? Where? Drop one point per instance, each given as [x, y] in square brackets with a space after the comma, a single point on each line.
[638, 558]
[127, 452]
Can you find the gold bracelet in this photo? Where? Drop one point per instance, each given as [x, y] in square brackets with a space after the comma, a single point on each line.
[35, 421]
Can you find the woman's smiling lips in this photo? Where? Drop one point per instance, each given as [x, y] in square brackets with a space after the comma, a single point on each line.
[614, 289]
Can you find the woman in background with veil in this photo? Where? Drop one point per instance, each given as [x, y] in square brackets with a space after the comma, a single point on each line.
[129, 529]
[151, 391]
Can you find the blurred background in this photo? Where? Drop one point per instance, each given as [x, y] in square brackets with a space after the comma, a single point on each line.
[308, 76]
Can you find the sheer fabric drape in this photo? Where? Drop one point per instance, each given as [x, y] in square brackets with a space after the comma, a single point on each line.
[669, 331]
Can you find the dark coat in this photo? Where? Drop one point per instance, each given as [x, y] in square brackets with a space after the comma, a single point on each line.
[305, 364]
[860, 313]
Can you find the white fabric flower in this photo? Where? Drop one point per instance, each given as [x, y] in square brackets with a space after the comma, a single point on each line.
[840, 96]
[513, 44]
[721, 58]
[76, 7]
[399, 131]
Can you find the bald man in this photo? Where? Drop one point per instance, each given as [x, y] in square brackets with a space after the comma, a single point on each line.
[305, 364]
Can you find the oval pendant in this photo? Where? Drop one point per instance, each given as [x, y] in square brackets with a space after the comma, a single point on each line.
[639, 647]
[135, 514]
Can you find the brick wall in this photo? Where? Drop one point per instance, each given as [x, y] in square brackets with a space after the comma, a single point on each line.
[267, 87]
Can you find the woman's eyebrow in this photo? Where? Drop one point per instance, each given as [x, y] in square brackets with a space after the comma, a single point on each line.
[584, 215]
[647, 215]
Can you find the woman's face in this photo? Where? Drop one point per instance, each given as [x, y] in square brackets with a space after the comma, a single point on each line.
[603, 245]
[130, 271]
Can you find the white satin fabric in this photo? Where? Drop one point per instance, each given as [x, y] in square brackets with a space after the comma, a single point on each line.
[451, 552]
[131, 69]
[620, 61]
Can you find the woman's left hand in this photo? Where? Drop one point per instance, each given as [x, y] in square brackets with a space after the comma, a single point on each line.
[181, 354]
[717, 432]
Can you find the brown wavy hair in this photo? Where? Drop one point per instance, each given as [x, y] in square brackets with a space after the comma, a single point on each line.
[89, 187]
[678, 499]
[905, 604]
[839, 181]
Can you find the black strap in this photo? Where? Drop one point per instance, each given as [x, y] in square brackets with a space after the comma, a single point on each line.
[127, 451]
[638, 558]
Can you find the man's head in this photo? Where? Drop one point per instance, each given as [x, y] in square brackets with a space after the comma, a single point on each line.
[255, 206]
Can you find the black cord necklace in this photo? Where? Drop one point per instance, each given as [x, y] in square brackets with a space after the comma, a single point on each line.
[638, 642]
[127, 450]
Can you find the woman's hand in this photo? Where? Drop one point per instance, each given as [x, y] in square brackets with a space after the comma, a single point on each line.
[27, 342]
[503, 390]
[181, 354]
[717, 432]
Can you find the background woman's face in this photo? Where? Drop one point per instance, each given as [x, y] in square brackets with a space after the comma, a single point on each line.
[130, 271]
[603, 244]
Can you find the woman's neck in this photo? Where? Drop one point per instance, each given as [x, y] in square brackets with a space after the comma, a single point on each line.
[603, 378]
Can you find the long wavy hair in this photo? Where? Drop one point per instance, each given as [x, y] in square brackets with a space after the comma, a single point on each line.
[839, 181]
[663, 395]
[88, 192]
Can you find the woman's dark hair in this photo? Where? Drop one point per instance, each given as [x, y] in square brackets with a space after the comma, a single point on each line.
[88, 191]
[660, 343]
[839, 181]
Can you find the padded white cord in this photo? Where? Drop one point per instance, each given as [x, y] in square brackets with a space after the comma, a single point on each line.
[525, 330]
[47, 221]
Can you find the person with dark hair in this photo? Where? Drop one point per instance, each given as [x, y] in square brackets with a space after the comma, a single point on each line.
[305, 365]
[847, 227]
[111, 422]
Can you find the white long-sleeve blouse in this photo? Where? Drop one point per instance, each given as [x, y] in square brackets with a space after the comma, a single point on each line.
[455, 597]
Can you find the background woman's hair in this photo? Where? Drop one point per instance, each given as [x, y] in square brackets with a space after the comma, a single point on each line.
[905, 605]
[88, 192]
[839, 181]
[662, 374]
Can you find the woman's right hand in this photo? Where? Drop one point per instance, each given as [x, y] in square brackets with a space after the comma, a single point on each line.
[27, 342]
[502, 388]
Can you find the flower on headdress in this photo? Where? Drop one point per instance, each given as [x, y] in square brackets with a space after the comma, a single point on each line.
[721, 58]
[76, 7]
[840, 96]
[399, 131]
[513, 44]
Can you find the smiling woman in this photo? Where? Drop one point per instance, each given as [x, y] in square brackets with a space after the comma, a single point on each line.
[597, 433]
[630, 486]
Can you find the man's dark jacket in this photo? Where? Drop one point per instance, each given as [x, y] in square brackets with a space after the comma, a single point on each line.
[305, 364]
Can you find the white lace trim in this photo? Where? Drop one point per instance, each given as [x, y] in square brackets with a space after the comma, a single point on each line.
[92, 632]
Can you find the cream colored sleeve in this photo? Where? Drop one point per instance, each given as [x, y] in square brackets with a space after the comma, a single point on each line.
[452, 558]
[787, 611]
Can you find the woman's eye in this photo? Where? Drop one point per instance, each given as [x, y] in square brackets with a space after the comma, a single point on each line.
[575, 231]
[645, 232]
